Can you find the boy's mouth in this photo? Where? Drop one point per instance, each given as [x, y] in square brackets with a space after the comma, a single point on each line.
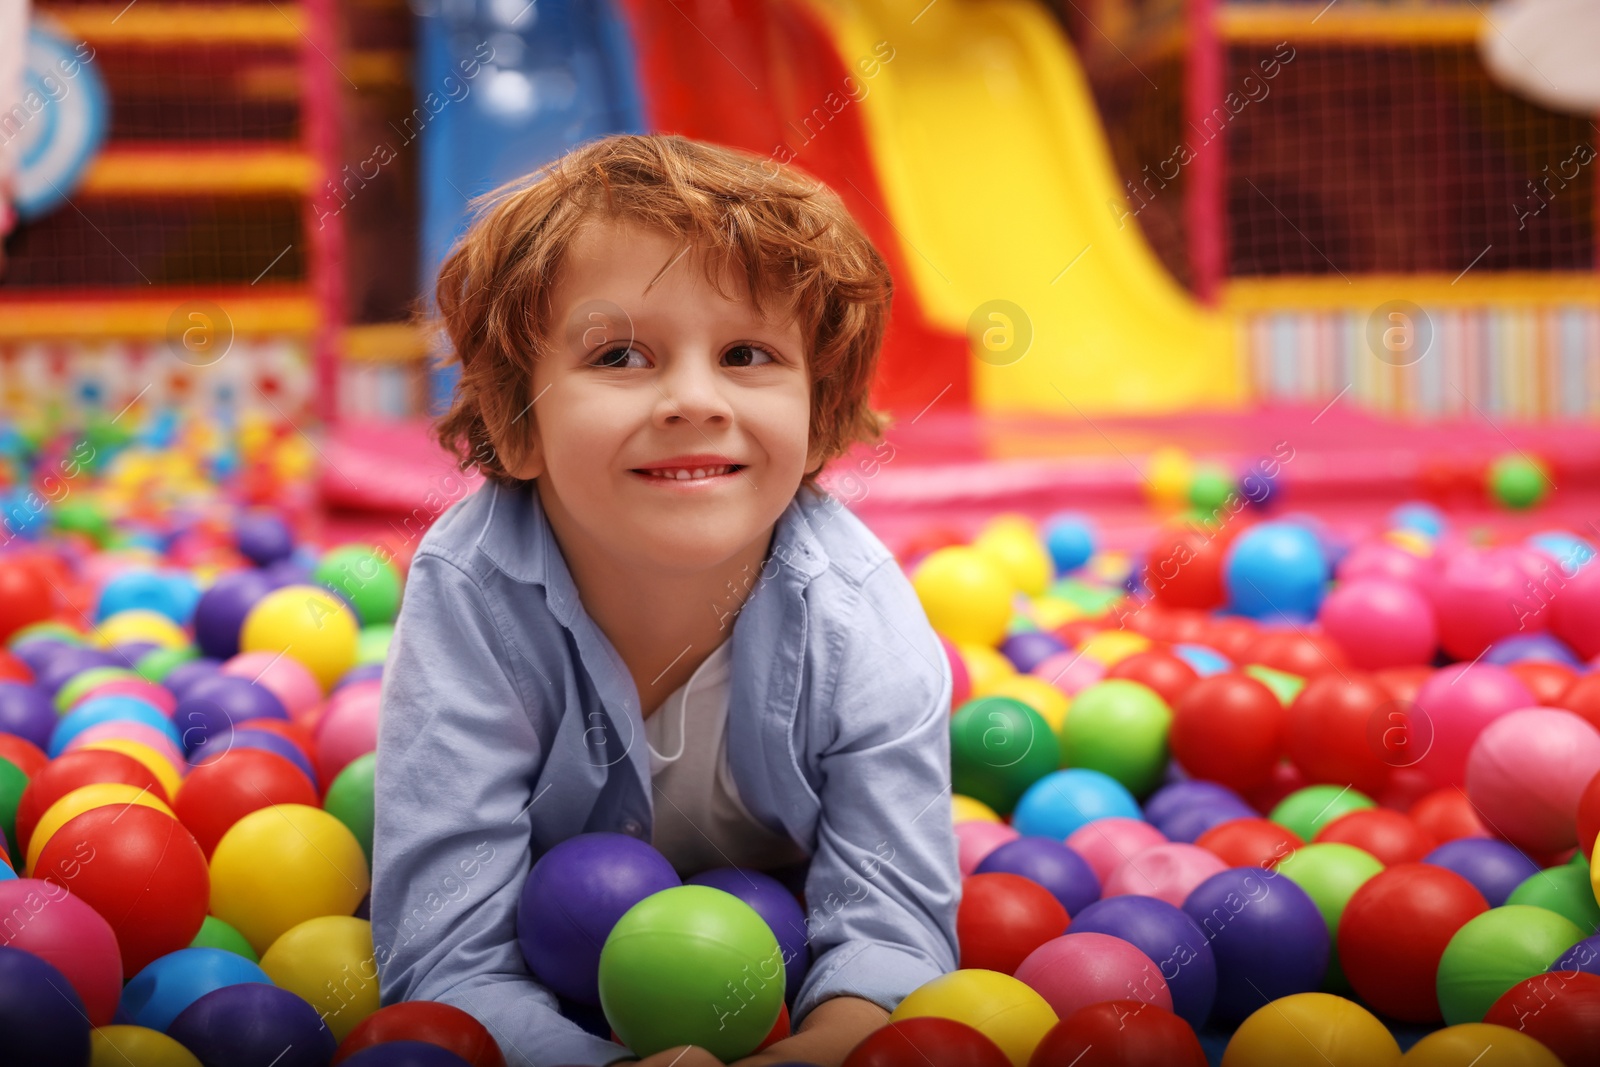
[704, 473]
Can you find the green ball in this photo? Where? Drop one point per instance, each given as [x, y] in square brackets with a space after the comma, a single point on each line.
[12, 783]
[1518, 482]
[372, 644]
[1564, 890]
[366, 579]
[1211, 487]
[1284, 686]
[76, 515]
[1580, 861]
[349, 799]
[1119, 728]
[1305, 811]
[999, 746]
[84, 681]
[692, 965]
[1090, 598]
[38, 631]
[214, 933]
[1496, 950]
[155, 666]
[1330, 873]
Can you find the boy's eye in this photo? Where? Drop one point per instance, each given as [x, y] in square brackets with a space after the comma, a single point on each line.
[616, 357]
[748, 355]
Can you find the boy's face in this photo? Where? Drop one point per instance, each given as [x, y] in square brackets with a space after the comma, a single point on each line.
[653, 369]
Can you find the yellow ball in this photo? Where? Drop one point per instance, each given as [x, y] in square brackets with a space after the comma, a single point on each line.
[308, 624]
[966, 809]
[153, 761]
[967, 596]
[1167, 477]
[1413, 541]
[87, 798]
[1050, 612]
[279, 866]
[1480, 1045]
[986, 668]
[1109, 566]
[1038, 694]
[1014, 545]
[1003, 1009]
[136, 1046]
[1309, 1029]
[139, 624]
[328, 962]
[1111, 647]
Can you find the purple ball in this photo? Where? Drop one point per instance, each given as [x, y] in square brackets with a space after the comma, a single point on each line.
[263, 538]
[1521, 648]
[1172, 800]
[1584, 956]
[1267, 936]
[1029, 648]
[222, 702]
[404, 1054]
[182, 677]
[134, 651]
[574, 895]
[254, 1022]
[365, 672]
[219, 613]
[1050, 863]
[777, 906]
[1494, 867]
[1188, 824]
[40, 650]
[1172, 941]
[289, 572]
[41, 1014]
[218, 747]
[56, 671]
[27, 712]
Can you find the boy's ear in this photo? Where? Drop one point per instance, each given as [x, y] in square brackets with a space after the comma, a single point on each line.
[529, 464]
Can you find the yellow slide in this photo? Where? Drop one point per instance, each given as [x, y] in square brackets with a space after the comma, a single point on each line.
[1000, 183]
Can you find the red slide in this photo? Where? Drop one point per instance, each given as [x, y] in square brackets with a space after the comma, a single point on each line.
[763, 75]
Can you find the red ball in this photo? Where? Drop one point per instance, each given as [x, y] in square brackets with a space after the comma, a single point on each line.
[428, 1021]
[1176, 626]
[1589, 817]
[1286, 779]
[1560, 1010]
[1336, 729]
[1307, 655]
[140, 869]
[1582, 698]
[1185, 567]
[1229, 728]
[926, 1041]
[1158, 669]
[1403, 683]
[1391, 836]
[1394, 931]
[1250, 842]
[1232, 636]
[780, 1028]
[24, 754]
[13, 669]
[218, 794]
[74, 770]
[1447, 814]
[1119, 1033]
[1003, 917]
[1548, 682]
[26, 595]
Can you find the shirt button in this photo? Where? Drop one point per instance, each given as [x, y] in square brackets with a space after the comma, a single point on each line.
[633, 828]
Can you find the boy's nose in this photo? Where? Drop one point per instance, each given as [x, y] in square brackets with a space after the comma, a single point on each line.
[692, 389]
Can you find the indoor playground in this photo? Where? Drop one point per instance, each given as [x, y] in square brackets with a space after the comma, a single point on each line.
[1243, 373]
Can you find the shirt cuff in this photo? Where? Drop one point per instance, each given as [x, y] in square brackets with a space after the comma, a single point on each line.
[871, 970]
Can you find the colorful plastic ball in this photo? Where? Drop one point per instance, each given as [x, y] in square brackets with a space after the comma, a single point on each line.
[26, 712]
[1029, 648]
[68, 934]
[41, 1013]
[1481, 1045]
[961, 683]
[1229, 728]
[1448, 815]
[214, 933]
[1337, 728]
[1308, 810]
[911, 1041]
[1275, 568]
[680, 950]
[189, 672]
[140, 590]
[282, 676]
[1184, 567]
[220, 612]
[80, 685]
[1575, 613]
[277, 867]
[573, 897]
[87, 798]
[1112, 646]
[372, 644]
[1380, 622]
[1389, 835]
[350, 799]
[307, 623]
[1061, 802]
[1560, 1011]
[1330, 874]
[999, 749]
[1493, 867]
[1075, 970]
[60, 667]
[965, 809]
[253, 1022]
[1267, 935]
[1190, 825]
[163, 762]
[976, 840]
[1120, 1033]
[254, 735]
[1119, 728]
[1284, 686]
[1168, 675]
[365, 578]
[218, 794]
[1171, 940]
[95, 711]
[348, 728]
[215, 706]
[1049, 863]
[263, 538]
[1250, 842]
[26, 595]
[128, 684]
[329, 962]
[1004, 1010]
[152, 626]
[1070, 538]
[985, 667]
[966, 595]
[1002, 918]
[1518, 482]
[1565, 890]
[1493, 952]
[1311, 1028]
[159, 993]
[1205, 661]
[429, 1022]
[1527, 771]
[776, 905]
[140, 1046]
[1530, 648]
[1071, 672]
[73, 770]
[1168, 872]
[1107, 842]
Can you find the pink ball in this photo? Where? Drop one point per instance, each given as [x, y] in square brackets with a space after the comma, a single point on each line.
[1167, 872]
[1109, 843]
[1380, 623]
[1387, 560]
[1528, 770]
[975, 840]
[1075, 970]
[348, 729]
[1070, 671]
[1455, 705]
[132, 731]
[961, 690]
[68, 934]
[282, 676]
[157, 696]
[1575, 611]
[1480, 597]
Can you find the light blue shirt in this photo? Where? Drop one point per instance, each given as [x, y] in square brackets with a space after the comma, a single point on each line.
[510, 723]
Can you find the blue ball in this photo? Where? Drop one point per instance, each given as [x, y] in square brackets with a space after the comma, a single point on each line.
[113, 708]
[1070, 537]
[1276, 569]
[145, 591]
[1172, 941]
[1423, 518]
[1267, 936]
[1205, 660]
[41, 1015]
[1051, 864]
[1568, 550]
[254, 1023]
[1062, 801]
[158, 994]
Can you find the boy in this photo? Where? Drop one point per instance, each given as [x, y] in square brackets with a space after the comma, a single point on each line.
[661, 343]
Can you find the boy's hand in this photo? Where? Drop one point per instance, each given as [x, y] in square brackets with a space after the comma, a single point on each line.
[679, 1056]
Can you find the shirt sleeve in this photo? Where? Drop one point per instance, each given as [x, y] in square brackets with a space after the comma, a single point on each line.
[884, 882]
[456, 758]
